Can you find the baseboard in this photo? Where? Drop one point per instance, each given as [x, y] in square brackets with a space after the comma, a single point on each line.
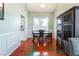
[13, 50]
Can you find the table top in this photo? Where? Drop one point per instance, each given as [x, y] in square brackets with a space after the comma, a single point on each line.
[44, 31]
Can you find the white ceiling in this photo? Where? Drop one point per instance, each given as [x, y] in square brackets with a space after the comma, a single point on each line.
[35, 7]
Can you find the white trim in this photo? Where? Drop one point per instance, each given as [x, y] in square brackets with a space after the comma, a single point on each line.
[11, 44]
[14, 49]
[7, 36]
[3, 34]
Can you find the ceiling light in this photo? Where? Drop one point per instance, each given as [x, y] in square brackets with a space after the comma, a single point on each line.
[42, 5]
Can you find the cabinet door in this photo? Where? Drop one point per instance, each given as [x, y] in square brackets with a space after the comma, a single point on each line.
[59, 31]
[68, 25]
[77, 22]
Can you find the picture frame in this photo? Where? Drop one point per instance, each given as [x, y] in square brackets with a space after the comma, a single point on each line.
[1, 11]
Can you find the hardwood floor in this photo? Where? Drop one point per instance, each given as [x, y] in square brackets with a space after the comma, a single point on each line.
[26, 49]
[54, 51]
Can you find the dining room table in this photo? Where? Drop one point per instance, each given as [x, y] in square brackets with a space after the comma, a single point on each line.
[47, 37]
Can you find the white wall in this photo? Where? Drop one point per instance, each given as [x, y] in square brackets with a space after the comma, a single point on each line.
[24, 12]
[10, 27]
[61, 8]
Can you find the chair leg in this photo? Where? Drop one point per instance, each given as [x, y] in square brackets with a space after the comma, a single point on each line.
[33, 42]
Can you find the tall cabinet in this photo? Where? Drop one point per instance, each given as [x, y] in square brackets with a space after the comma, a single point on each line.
[67, 27]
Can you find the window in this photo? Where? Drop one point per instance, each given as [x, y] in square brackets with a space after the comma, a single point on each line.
[40, 22]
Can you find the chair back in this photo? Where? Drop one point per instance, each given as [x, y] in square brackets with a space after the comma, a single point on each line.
[41, 33]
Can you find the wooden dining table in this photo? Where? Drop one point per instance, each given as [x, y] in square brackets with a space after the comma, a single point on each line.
[37, 33]
[47, 37]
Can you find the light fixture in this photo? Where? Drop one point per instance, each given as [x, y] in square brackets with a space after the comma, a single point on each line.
[43, 5]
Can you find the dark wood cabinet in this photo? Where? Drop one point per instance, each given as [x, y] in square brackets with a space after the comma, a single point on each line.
[67, 27]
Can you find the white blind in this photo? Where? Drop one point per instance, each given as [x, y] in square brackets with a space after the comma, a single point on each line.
[40, 22]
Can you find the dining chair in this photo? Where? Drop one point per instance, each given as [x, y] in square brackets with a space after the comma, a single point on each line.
[49, 39]
[35, 38]
[41, 36]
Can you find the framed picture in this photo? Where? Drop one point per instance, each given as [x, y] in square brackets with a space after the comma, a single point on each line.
[1, 11]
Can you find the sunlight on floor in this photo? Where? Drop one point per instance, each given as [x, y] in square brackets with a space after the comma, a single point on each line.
[36, 54]
[40, 53]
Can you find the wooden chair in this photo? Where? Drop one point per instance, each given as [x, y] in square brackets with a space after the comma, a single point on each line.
[38, 38]
[49, 39]
[35, 39]
[41, 37]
